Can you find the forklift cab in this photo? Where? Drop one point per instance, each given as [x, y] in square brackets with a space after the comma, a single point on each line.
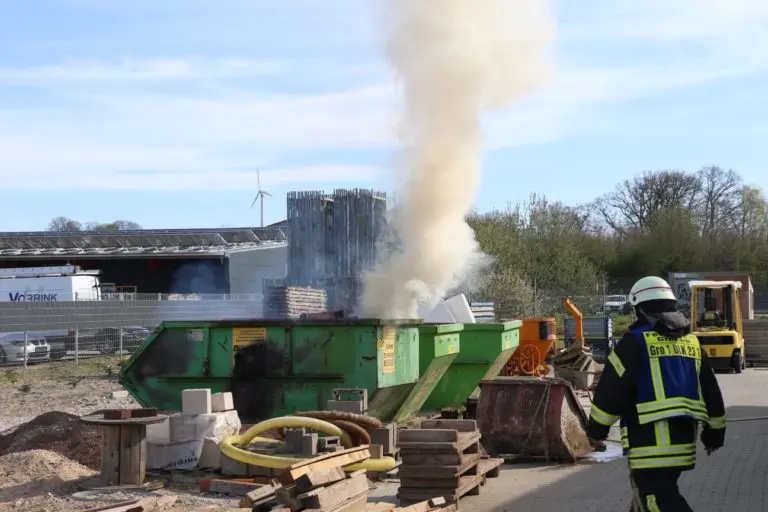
[716, 321]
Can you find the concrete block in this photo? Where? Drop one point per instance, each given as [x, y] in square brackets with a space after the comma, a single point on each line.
[309, 444]
[196, 401]
[328, 444]
[385, 436]
[351, 406]
[210, 457]
[293, 439]
[159, 433]
[222, 402]
[262, 472]
[231, 467]
[119, 394]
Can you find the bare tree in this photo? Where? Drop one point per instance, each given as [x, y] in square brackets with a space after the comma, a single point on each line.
[110, 227]
[64, 224]
[719, 199]
[630, 207]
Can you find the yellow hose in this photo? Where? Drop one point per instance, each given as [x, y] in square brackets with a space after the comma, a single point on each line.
[228, 448]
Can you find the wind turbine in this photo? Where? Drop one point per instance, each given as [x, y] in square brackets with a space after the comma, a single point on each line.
[260, 195]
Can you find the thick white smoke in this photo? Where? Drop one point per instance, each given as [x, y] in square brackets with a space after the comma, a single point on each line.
[455, 59]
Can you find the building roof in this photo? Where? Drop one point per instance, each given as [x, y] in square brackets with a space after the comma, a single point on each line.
[141, 243]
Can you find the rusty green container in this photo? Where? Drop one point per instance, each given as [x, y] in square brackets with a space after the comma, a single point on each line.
[485, 349]
[282, 366]
[439, 345]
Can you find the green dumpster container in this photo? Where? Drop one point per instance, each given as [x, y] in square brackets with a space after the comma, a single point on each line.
[438, 348]
[275, 367]
[485, 349]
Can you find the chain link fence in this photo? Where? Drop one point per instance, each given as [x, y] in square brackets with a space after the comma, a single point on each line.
[116, 325]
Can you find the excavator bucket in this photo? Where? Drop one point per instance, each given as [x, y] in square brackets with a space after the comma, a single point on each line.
[528, 416]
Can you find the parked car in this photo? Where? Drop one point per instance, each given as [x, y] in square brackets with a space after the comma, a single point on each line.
[616, 304]
[108, 338]
[14, 348]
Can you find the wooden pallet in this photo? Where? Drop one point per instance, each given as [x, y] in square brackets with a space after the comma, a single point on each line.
[443, 462]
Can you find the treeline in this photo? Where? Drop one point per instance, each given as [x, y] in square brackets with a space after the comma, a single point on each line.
[655, 223]
[65, 224]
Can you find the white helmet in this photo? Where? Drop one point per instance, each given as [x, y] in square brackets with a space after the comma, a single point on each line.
[650, 288]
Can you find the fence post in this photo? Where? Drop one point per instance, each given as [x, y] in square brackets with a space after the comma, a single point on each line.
[26, 350]
[77, 344]
[120, 348]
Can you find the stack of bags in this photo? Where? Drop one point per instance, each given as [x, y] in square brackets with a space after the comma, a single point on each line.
[285, 302]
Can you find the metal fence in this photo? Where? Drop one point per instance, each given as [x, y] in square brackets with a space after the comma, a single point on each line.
[116, 325]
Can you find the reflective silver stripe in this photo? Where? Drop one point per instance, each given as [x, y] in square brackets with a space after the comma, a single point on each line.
[667, 403]
[624, 437]
[617, 364]
[662, 462]
[647, 418]
[661, 429]
[602, 417]
[650, 503]
[717, 422]
[675, 450]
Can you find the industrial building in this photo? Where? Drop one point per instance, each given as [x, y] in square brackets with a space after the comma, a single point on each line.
[227, 260]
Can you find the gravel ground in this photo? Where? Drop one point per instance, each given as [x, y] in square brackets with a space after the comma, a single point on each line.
[38, 480]
[76, 388]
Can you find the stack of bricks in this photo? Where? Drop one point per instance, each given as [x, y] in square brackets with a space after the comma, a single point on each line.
[285, 302]
[443, 459]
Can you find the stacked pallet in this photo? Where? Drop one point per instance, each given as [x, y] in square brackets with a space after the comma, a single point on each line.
[756, 341]
[287, 302]
[443, 459]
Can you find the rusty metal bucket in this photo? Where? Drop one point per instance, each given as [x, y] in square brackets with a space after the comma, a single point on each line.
[528, 416]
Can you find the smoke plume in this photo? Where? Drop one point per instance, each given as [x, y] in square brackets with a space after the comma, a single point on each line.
[455, 60]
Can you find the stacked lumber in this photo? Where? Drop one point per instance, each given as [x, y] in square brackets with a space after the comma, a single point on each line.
[443, 459]
[756, 341]
[577, 366]
[286, 302]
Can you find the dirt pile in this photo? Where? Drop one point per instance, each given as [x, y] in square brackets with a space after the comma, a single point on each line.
[36, 472]
[58, 432]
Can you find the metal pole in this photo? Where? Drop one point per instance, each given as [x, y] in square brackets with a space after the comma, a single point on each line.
[26, 351]
[77, 345]
[121, 344]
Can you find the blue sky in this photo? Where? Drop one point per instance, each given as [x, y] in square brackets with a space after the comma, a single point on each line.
[161, 111]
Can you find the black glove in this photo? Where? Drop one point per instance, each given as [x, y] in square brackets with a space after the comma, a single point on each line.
[713, 439]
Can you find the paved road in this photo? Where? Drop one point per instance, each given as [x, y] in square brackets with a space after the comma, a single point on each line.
[735, 479]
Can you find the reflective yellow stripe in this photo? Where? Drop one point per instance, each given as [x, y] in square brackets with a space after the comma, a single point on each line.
[644, 419]
[716, 423]
[617, 364]
[661, 429]
[675, 450]
[602, 417]
[650, 503]
[624, 438]
[662, 462]
[668, 403]
[658, 382]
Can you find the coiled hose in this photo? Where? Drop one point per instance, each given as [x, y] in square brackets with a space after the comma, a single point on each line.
[229, 446]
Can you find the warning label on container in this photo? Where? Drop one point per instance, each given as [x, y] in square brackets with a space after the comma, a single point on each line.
[387, 346]
[244, 336]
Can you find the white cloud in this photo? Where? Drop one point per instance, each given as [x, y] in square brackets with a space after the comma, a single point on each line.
[108, 128]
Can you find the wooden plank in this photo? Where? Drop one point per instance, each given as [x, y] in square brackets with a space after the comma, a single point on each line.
[379, 507]
[319, 478]
[324, 462]
[438, 459]
[357, 503]
[335, 494]
[230, 487]
[133, 454]
[437, 470]
[469, 484]
[460, 425]
[110, 454]
[465, 440]
[490, 467]
[428, 436]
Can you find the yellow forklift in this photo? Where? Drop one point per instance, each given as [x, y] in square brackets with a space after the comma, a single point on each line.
[716, 321]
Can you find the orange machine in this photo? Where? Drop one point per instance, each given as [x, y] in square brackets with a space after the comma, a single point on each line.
[537, 341]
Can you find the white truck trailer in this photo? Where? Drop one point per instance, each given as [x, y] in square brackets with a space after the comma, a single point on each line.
[49, 284]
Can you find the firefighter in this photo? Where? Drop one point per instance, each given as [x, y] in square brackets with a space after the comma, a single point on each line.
[658, 382]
